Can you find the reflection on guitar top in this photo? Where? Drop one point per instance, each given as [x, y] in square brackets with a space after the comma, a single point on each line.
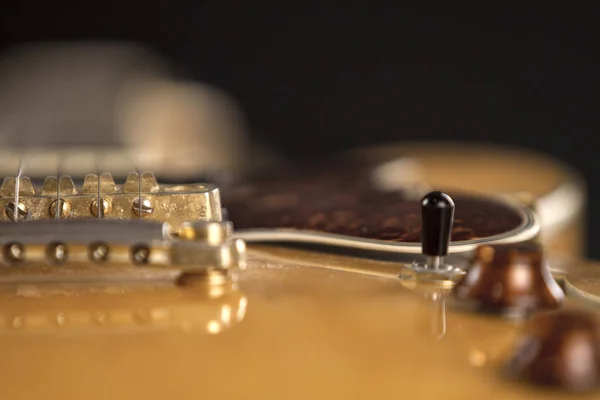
[113, 309]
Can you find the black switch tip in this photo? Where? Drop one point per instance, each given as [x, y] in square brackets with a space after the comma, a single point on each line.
[437, 216]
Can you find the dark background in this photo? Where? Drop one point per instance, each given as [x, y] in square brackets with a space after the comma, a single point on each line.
[314, 78]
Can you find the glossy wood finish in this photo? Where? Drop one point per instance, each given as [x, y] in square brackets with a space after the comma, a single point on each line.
[299, 325]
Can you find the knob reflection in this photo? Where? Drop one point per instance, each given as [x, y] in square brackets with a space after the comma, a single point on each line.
[432, 321]
[484, 338]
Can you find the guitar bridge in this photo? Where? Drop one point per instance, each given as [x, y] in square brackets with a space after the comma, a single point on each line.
[101, 231]
[99, 197]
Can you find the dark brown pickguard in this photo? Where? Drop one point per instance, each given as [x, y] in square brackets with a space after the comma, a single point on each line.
[341, 199]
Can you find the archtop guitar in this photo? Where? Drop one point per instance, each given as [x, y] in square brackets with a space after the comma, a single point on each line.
[406, 271]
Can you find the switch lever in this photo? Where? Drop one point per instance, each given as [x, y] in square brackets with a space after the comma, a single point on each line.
[437, 216]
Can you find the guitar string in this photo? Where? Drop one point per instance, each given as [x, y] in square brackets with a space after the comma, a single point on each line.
[20, 168]
[98, 174]
[100, 165]
[59, 167]
[139, 191]
[60, 173]
[127, 161]
[135, 164]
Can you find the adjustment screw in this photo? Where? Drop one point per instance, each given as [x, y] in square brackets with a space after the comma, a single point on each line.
[13, 253]
[103, 210]
[10, 211]
[140, 254]
[63, 206]
[98, 252]
[56, 253]
[142, 208]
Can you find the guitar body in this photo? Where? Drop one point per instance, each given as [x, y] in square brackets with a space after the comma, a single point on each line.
[316, 327]
[553, 189]
[309, 296]
[297, 323]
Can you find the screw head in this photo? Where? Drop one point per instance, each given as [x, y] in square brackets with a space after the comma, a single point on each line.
[13, 253]
[105, 207]
[142, 208]
[56, 253]
[140, 254]
[23, 213]
[62, 206]
[98, 252]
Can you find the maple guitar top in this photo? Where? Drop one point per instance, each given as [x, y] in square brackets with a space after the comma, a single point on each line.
[294, 324]
[297, 325]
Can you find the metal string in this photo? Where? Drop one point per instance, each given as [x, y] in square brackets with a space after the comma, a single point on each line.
[139, 192]
[98, 173]
[138, 171]
[98, 167]
[57, 210]
[20, 169]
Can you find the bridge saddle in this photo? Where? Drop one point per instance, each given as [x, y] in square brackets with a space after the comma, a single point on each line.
[99, 197]
[61, 230]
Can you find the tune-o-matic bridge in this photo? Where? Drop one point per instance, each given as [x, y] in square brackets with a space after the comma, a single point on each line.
[103, 231]
[99, 197]
[109, 248]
